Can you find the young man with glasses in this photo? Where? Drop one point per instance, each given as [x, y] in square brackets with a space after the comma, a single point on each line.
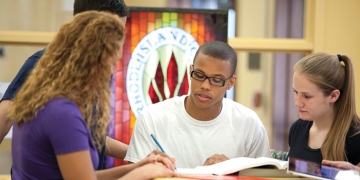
[202, 128]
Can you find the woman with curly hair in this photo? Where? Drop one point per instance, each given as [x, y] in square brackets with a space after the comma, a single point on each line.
[62, 112]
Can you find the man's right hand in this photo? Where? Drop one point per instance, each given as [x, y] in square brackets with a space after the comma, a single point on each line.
[216, 158]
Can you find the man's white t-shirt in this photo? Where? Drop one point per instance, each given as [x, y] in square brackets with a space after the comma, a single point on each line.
[236, 132]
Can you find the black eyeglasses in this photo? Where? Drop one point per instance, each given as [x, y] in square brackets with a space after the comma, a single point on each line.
[213, 80]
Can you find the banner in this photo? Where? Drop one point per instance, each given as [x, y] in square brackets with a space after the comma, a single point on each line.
[159, 48]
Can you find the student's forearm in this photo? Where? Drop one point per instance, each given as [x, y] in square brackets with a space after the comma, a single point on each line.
[115, 148]
[136, 174]
[116, 172]
[5, 123]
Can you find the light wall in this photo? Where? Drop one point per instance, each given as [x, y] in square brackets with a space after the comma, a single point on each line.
[28, 15]
[337, 31]
[333, 27]
[255, 20]
[41, 16]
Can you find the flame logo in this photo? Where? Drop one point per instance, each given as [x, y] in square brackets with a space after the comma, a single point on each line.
[158, 67]
[165, 75]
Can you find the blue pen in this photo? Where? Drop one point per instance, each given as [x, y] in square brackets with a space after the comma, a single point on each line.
[158, 144]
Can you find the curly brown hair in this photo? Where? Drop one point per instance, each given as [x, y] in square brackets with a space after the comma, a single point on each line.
[77, 65]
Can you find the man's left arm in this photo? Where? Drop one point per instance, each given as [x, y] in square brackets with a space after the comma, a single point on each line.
[260, 142]
[115, 148]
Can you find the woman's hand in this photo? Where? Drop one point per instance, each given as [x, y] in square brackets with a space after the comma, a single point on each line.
[149, 171]
[341, 164]
[156, 164]
[158, 156]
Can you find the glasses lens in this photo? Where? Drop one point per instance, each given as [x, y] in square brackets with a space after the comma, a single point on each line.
[216, 81]
[198, 76]
[201, 77]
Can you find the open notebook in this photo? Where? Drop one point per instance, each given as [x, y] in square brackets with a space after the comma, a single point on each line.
[233, 165]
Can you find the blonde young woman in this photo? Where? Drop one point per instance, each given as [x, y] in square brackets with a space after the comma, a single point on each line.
[328, 130]
[67, 93]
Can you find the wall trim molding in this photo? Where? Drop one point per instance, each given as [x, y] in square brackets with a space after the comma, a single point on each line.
[25, 38]
[239, 44]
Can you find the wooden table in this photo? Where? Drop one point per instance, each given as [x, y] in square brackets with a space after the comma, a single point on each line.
[177, 178]
[7, 177]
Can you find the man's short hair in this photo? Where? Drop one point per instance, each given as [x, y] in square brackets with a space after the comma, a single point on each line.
[219, 50]
[113, 6]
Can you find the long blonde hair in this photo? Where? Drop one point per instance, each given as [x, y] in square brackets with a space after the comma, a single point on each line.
[331, 72]
[77, 65]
